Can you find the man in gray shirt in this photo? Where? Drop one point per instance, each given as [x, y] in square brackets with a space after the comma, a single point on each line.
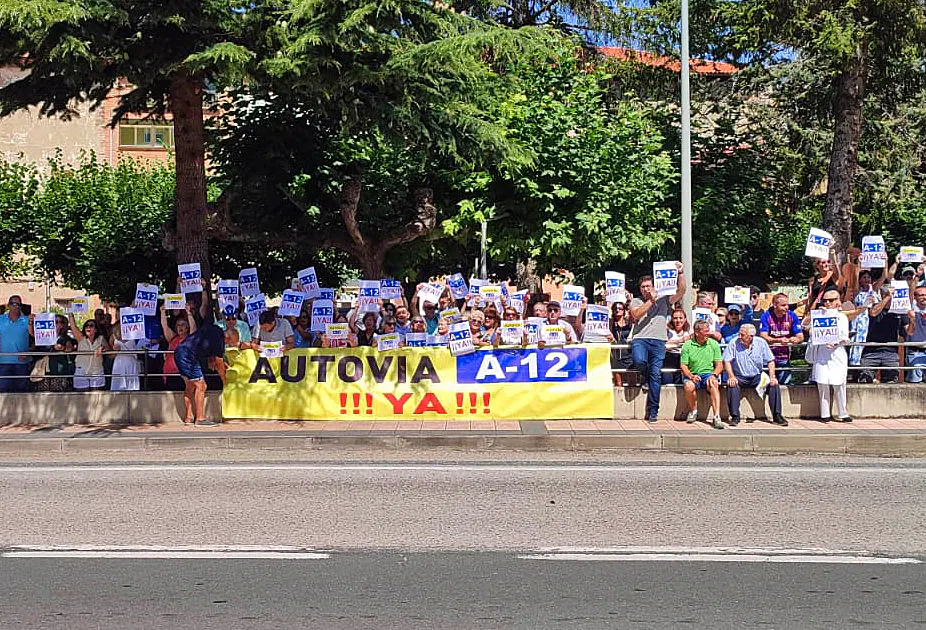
[650, 315]
[271, 328]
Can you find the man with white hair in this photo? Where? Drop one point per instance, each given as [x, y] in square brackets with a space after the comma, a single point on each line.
[745, 360]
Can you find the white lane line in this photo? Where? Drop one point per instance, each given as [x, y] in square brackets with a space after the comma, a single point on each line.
[170, 555]
[490, 468]
[219, 552]
[772, 558]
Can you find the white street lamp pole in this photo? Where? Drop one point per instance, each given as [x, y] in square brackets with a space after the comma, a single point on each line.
[686, 161]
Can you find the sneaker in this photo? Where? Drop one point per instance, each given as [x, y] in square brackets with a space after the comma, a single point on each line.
[207, 423]
[845, 418]
[717, 424]
[733, 421]
[780, 420]
[692, 417]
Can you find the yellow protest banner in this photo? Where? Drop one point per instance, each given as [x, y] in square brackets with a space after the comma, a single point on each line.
[420, 383]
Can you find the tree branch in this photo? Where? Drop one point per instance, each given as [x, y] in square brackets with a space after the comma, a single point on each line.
[425, 220]
[348, 201]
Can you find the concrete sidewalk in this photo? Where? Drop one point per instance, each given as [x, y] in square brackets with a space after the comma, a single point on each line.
[877, 437]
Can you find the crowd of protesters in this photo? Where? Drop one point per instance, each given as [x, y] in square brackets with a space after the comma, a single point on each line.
[736, 347]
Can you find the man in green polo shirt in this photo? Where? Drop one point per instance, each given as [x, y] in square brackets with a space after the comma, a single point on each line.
[701, 364]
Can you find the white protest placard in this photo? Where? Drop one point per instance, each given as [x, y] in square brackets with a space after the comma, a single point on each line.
[146, 298]
[824, 326]
[665, 278]
[615, 284]
[228, 294]
[390, 289]
[491, 293]
[461, 339]
[253, 307]
[552, 335]
[911, 254]
[248, 283]
[337, 331]
[458, 288]
[532, 329]
[436, 341]
[518, 301]
[191, 278]
[900, 301]
[387, 342]
[322, 313]
[271, 349]
[572, 299]
[43, 329]
[416, 340]
[597, 320]
[452, 313]
[368, 297]
[80, 304]
[429, 293]
[131, 323]
[705, 315]
[512, 332]
[874, 254]
[291, 303]
[309, 281]
[736, 295]
[325, 294]
[174, 302]
[818, 244]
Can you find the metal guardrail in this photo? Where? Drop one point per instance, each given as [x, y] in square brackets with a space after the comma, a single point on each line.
[144, 374]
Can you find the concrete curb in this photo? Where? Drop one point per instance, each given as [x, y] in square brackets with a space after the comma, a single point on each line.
[874, 444]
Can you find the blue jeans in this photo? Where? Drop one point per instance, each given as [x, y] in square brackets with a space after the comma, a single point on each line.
[648, 357]
[917, 358]
[9, 385]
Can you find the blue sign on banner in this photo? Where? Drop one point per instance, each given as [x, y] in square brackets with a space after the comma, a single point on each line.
[525, 365]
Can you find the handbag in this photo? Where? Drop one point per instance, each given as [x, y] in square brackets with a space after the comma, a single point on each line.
[38, 370]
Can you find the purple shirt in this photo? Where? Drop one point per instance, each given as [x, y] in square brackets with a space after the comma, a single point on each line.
[787, 326]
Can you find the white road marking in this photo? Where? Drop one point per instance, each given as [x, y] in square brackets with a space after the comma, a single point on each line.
[220, 552]
[489, 468]
[714, 554]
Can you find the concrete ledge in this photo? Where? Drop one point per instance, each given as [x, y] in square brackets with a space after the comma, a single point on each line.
[738, 441]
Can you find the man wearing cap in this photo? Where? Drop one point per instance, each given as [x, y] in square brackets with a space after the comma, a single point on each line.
[230, 318]
[745, 359]
[553, 318]
[14, 338]
[883, 327]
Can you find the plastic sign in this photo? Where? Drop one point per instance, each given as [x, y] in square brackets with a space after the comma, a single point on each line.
[597, 320]
[132, 323]
[390, 289]
[824, 326]
[271, 349]
[191, 278]
[228, 294]
[900, 301]
[911, 254]
[291, 303]
[736, 295]
[177, 301]
[368, 300]
[146, 298]
[512, 332]
[874, 255]
[253, 307]
[572, 299]
[818, 244]
[44, 330]
[80, 304]
[665, 278]
[309, 281]
[461, 339]
[248, 283]
[322, 314]
[615, 285]
[387, 342]
[458, 288]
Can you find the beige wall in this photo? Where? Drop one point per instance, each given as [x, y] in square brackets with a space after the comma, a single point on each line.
[26, 136]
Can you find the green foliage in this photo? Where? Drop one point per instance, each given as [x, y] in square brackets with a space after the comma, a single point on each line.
[98, 226]
[597, 192]
[18, 183]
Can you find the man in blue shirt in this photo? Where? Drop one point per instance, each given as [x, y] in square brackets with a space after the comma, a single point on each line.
[744, 360]
[14, 338]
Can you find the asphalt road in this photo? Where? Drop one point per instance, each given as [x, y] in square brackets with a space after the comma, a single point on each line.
[459, 545]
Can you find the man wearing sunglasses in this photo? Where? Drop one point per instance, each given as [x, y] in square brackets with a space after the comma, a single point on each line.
[14, 338]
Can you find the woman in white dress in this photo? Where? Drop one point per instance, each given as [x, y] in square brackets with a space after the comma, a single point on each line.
[125, 367]
[88, 366]
[831, 363]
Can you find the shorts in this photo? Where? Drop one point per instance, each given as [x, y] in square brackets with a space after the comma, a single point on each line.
[188, 365]
[703, 383]
[84, 381]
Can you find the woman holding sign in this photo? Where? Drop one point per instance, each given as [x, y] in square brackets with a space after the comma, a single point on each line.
[88, 368]
[829, 359]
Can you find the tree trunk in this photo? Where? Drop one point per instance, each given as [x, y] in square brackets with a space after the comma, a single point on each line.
[848, 120]
[186, 106]
[372, 262]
